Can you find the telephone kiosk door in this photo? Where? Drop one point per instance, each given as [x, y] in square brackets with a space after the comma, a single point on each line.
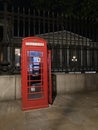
[34, 73]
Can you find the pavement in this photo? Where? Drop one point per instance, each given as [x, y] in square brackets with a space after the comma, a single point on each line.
[68, 112]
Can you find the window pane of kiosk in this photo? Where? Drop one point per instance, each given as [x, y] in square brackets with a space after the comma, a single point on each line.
[35, 74]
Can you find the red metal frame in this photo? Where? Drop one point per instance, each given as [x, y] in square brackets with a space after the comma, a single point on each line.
[49, 77]
[34, 79]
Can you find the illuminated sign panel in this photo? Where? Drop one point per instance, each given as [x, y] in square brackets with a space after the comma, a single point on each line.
[34, 44]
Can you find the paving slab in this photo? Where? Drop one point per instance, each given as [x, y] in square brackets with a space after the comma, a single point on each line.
[70, 112]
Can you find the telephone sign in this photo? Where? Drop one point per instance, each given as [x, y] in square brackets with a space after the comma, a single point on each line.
[35, 70]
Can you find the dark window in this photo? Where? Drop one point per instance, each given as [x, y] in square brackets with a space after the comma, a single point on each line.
[17, 57]
[1, 5]
[1, 33]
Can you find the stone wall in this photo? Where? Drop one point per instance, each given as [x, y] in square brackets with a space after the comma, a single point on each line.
[70, 83]
[10, 85]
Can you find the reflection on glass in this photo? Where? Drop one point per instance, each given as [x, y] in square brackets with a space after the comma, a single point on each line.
[35, 89]
[17, 57]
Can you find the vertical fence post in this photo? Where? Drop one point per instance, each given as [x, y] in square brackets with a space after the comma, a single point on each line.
[29, 22]
[67, 37]
[5, 62]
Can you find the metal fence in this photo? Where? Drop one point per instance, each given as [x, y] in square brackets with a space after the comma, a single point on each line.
[72, 40]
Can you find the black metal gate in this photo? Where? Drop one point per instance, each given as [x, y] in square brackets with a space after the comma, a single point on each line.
[73, 40]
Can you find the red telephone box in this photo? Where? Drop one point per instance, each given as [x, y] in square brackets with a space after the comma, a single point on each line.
[36, 73]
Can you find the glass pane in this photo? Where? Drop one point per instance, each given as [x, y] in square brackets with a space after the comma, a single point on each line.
[35, 74]
[17, 57]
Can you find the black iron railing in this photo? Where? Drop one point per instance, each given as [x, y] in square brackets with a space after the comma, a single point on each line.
[72, 40]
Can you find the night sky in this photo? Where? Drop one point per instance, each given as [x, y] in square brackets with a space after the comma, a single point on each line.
[86, 8]
[25, 3]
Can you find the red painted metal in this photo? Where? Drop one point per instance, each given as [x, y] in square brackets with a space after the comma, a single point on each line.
[34, 73]
[49, 77]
